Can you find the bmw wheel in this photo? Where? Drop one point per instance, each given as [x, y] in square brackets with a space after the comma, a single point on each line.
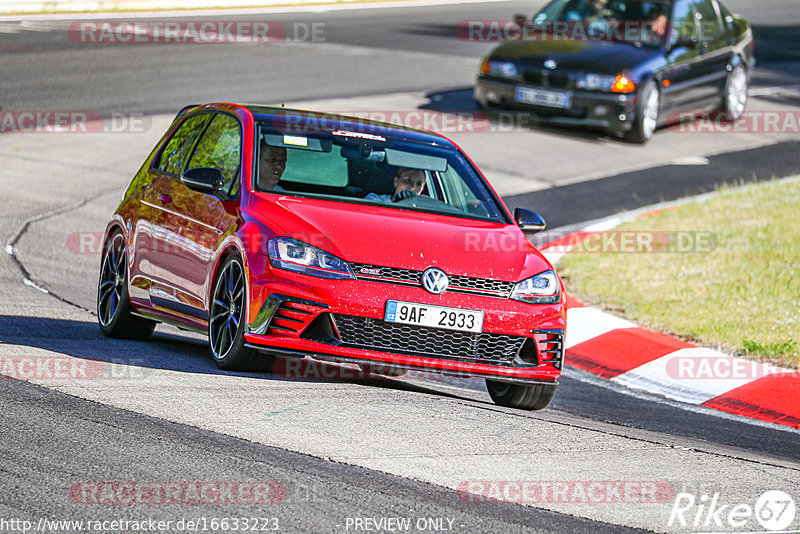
[113, 306]
[735, 98]
[227, 316]
[520, 396]
[647, 110]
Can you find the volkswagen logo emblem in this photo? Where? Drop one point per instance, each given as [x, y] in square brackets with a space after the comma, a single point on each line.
[434, 280]
[550, 64]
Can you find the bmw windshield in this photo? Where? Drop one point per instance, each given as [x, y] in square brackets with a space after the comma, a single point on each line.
[634, 21]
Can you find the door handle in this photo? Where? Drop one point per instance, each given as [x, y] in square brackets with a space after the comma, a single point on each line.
[165, 199]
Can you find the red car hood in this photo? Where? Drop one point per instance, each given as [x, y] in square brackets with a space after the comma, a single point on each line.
[401, 238]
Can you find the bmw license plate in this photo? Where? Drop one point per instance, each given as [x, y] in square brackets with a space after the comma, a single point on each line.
[433, 316]
[540, 97]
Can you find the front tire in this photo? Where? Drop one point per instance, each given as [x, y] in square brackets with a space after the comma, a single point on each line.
[535, 397]
[647, 110]
[113, 304]
[226, 318]
[734, 100]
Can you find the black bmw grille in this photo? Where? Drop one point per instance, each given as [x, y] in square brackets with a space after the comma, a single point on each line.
[375, 334]
[547, 79]
[464, 284]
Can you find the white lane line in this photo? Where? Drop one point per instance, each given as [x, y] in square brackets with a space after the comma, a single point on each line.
[776, 90]
[587, 323]
[691, 161]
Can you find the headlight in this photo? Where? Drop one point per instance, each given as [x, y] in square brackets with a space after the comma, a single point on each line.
[293, 255]
[593, 82]
[504, 69]
[540, 289]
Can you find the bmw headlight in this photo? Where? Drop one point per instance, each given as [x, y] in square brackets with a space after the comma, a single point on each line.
[503, 69]
[540, 289]
[594, 82]
[296, 256]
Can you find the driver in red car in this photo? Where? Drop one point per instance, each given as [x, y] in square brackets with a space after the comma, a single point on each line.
[272, 163]
[407, 183]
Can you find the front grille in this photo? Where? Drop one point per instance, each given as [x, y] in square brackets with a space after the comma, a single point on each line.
[462, 284]
[534, 77]
[376, 334]
[547, 79]
[364, 271]
[459, 283]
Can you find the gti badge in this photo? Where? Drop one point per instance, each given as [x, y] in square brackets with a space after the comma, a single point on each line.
[550, 64]
[434, 280]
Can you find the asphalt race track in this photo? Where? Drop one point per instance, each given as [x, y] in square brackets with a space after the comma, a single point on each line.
[332, 446]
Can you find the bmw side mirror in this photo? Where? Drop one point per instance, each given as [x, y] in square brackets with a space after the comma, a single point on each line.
[203, 179]
[687, 42]
[529, 221]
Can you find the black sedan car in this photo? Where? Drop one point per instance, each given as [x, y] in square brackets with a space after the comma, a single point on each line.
[625, 66]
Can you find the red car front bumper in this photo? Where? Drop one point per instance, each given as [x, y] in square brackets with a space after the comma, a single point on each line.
[298, 315]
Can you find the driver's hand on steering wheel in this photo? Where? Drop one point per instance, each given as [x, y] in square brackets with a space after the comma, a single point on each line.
[403, 195]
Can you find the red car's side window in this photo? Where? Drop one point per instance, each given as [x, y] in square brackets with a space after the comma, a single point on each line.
[175, 154]
[221, 148]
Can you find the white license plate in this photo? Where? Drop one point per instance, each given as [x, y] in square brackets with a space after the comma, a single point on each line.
[433, 316]
[540, 97]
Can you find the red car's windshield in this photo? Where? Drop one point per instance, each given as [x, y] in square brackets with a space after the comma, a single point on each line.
[389, 172]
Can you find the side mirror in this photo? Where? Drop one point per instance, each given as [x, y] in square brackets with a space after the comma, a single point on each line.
[688, 42]
[520, 20]
[203, 179]
[529, 221]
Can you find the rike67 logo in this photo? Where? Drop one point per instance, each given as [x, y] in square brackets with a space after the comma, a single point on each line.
[773, 511]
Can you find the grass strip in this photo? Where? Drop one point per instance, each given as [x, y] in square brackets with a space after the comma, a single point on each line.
[723, 272]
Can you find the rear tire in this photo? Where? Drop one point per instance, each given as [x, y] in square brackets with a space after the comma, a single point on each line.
[114, 314]
[227, 320]
[519, 396]
[647, 110]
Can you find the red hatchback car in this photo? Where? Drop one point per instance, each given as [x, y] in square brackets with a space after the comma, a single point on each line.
[289, 233]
